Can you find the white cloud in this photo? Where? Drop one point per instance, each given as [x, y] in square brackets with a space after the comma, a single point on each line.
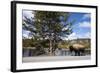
[72, 36]
[26, 34]
[28, 13]
[87, 35]
[86, 16]
[65, 28]
[85, 24]
[76, 36]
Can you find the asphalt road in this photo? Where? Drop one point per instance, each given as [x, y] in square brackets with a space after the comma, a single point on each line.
[54, 58]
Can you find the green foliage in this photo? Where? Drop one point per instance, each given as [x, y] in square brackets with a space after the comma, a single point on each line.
[47, 25]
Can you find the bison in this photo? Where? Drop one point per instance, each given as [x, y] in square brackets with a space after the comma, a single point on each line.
[78, 49]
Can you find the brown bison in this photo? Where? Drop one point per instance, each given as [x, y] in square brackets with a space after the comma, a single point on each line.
[78, 49]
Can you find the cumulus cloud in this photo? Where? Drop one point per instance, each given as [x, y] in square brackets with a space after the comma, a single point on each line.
[25, 34]
[87, 35]
[76, 36]
[86, 16]
[28, 13]
[72, 36]
[84, 24]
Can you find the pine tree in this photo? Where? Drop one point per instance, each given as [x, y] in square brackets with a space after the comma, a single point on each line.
[49, 25]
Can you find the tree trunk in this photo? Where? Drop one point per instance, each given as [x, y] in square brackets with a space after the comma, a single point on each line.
[50, 46]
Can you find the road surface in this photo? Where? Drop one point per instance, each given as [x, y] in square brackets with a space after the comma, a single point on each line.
[54, 58]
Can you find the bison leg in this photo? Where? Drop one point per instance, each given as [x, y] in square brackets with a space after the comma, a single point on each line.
[77, 53]
[82, 51]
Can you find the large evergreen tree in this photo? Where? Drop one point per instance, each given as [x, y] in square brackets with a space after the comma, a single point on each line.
[49, 25]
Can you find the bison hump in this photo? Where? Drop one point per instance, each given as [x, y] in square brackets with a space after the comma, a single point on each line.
[77, 46]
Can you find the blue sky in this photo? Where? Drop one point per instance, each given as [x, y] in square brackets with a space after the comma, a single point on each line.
[81, 27]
